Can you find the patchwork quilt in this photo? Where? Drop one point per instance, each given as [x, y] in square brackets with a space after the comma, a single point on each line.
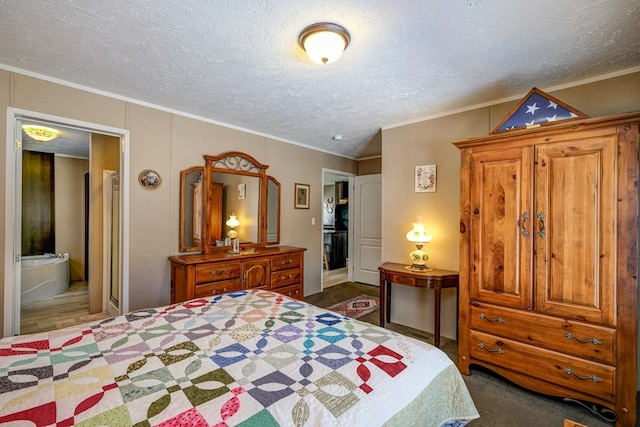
[247, 358]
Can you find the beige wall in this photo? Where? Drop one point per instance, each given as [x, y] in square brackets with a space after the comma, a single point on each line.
[430, 142]
[370, 166]
[168, 143]
[69, 205]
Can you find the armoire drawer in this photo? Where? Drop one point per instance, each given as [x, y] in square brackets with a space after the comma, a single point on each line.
[217, 288]
[285, 278]
[592, 378]
[285, 262]
[566, 336]
[214, 272]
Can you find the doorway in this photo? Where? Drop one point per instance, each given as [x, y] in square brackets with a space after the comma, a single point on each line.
[337, 229]
[99, 137]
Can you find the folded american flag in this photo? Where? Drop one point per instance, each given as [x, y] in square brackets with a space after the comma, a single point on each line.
[537, 108]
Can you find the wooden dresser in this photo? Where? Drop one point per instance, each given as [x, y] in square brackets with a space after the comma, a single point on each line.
[549, 259]
[280, 269]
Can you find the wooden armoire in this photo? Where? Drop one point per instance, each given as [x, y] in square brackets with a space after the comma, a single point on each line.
[549, 259]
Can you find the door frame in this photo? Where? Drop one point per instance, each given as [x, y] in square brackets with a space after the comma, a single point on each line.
[11, 325]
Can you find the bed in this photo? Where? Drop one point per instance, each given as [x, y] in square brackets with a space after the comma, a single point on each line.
[246, 358]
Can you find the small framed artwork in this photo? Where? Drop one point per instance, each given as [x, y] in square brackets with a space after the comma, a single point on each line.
[242, 191]
[149, 179]
[301, 196]
[425, 179]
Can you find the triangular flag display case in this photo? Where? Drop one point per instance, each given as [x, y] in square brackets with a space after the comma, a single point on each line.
[536, 109]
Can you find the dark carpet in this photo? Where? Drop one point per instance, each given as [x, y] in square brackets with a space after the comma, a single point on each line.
[499, 402]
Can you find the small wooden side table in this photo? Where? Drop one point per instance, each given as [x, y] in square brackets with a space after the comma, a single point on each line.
[435, 279]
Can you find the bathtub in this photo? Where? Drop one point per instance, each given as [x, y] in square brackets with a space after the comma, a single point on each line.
[43, 276]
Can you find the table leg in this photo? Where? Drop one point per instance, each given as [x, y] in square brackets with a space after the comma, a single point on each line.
[382, 301]
[436, 321]
[388, 314]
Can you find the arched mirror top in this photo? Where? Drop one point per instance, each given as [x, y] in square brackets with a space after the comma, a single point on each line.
[232, 184]
[235, 162]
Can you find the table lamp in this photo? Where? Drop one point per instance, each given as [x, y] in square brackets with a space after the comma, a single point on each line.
[419, 236]
[232, 223]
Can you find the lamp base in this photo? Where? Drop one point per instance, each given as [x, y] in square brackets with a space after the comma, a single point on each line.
[420, 268]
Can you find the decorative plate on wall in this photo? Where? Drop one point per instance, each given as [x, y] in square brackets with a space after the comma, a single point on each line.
[149, 179]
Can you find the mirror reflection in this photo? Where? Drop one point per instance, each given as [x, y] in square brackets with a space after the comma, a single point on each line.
[229, 198]
[191, 209]
[236, 195]
[273, 211]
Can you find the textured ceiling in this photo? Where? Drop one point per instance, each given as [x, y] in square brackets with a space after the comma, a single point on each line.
[238, 62]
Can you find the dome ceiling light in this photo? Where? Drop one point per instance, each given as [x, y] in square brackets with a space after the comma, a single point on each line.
[40, 133]
[324, 42]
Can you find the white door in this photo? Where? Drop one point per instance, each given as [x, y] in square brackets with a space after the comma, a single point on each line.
[367, 230]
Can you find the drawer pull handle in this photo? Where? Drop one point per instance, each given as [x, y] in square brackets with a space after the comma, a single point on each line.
[595, 341]
[286, 277]
[214, 272]
[593, 378]
[216, 291]
[525, 217]
[287, 261]
[495, 319]
[499, 351]
[541, 232]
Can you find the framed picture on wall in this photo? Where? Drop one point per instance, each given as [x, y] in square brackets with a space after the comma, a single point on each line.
[301, 196]
[425, 179]
[242, 191]
[149, 179]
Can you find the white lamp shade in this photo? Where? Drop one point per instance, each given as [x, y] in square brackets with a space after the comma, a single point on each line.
[232, 221]
[418, 234]
[324, 47]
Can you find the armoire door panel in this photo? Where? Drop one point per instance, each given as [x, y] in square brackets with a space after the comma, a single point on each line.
[501, 241]
[575, 247]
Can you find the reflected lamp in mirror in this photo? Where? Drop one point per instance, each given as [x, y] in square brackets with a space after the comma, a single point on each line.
[419, 236]
[232, 223]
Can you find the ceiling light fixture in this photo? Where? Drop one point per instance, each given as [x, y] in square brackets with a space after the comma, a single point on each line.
[324, 42]
[40, 133]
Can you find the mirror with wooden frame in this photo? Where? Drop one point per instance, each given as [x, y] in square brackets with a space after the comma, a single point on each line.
[191, 202]
[232, 183]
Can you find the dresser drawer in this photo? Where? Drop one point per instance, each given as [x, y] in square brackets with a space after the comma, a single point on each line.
[592, 378]
[285, 262]
[217, 288]
[293, 291]
[566, 336]
[285, 277]
[214, 272]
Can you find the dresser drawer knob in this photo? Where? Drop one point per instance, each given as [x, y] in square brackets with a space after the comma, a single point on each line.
[494, 319]
[594, 341]
[593, 378]
[214, 272]
[484, 347]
